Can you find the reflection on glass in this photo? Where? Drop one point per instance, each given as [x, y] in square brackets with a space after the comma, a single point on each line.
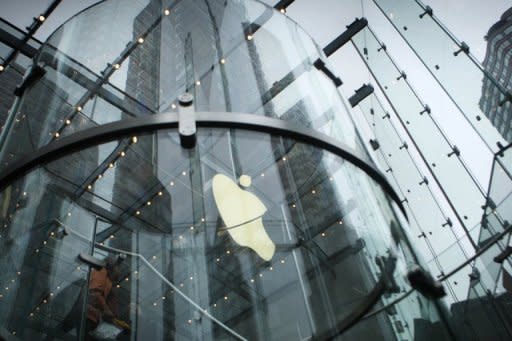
[201, 47]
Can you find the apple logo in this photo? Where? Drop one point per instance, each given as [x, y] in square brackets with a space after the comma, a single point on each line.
[244, 212]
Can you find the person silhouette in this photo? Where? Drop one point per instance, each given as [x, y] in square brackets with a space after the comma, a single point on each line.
[101, 302]
[242, 212]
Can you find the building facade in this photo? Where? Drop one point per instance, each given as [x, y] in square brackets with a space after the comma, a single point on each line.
[498, 62]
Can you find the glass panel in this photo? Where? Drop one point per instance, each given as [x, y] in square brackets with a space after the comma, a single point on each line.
[222, 53]
[479, 318]
[23, 12]
[452, 256]
[41, 275]
[463, 81]
[429, 225]
[7, 27]
[403, 167]
[489, 288]
[460, 186]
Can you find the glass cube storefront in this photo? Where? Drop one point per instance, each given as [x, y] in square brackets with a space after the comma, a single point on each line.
[273, 229]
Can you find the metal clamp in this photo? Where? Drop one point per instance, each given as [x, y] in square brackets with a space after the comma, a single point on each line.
[320, 65]
[375, 144]
[187, 121]
[448, 223]
[361, 93]
[463, 48]
[428, 10]
[425, 110]
[455, 151]
[402, 75]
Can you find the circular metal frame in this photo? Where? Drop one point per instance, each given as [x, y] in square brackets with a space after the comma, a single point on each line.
[132, 126]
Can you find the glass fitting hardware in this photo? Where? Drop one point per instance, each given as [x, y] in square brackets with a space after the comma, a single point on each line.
[361, 93]
[345, 37]
[424, 181]
[402, 75]
[375, 144]
[448, 223]
[502, 148]
[463, 48]
[455, 151]
[500, 258]
[508, 98]
[382, 48]
[426, 110]
[428, 10]
[320, 65]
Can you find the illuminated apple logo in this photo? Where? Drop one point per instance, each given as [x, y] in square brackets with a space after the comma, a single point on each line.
[242, 213]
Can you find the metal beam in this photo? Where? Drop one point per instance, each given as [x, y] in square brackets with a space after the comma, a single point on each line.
[72, 71]
[282, 5]
[345, 37]
[320, 65]
[31, 31]
[17, 44]
[120, 129]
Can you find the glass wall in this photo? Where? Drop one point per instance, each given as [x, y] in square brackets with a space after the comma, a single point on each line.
[447, 166]
[433, 230]
[286, 249]
[249, 235]
[224, 54]
[450, 62]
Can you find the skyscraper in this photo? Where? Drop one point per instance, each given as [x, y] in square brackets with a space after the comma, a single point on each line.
[498, 63]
